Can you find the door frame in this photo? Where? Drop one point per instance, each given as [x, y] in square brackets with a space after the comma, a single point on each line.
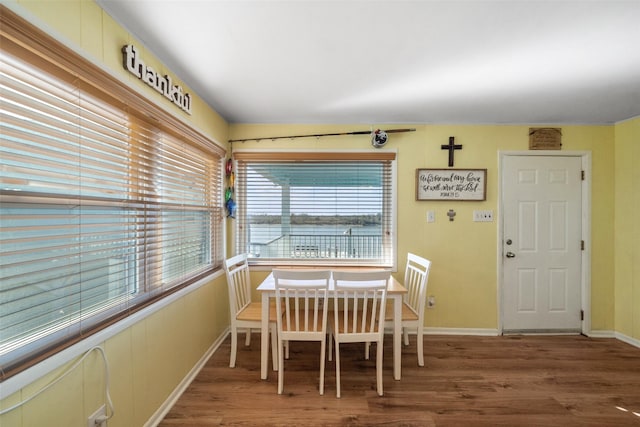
[585, 277]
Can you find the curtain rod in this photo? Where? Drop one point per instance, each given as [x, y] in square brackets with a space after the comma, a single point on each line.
[362, 132]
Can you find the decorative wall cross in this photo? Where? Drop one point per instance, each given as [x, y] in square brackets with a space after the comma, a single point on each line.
[451, 147]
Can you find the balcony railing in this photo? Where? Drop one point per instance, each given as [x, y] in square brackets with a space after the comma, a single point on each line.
[319, 246]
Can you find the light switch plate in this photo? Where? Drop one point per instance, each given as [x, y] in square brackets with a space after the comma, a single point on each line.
[431, 216]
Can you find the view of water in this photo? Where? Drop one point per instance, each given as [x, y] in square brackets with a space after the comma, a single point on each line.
[263, 233]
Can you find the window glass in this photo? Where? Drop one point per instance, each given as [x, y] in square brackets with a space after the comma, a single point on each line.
[316, 211]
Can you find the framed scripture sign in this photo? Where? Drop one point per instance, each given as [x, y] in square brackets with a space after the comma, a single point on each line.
[451, 184]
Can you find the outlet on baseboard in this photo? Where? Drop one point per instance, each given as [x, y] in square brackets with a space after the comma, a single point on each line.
[93, 420]
[483, 216]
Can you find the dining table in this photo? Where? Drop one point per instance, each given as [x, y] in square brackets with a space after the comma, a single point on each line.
[395, 292]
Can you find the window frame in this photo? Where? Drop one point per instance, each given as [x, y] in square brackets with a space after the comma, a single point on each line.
[296, 156]
[25, 40]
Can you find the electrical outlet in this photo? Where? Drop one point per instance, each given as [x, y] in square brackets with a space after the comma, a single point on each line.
[483, 216]
[431, 301]
[94, 419]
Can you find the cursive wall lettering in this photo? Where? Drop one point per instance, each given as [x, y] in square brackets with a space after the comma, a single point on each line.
[451, 184]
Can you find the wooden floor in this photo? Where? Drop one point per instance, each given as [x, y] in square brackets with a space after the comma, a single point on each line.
[466, 381]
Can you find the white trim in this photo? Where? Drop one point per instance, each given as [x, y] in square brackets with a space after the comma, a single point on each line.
[495, 332]
[629, 340]
[601, 334]
[617, 335]
[586, 236]
[256, 265]
[586, 230]
[48, 365]
[173, 397]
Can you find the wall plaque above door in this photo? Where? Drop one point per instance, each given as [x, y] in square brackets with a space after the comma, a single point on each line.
[545, 138]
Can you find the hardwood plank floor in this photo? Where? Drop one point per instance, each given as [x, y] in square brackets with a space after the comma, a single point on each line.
[466, 381]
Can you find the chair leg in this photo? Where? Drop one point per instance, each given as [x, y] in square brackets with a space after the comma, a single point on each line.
[405, 332]
[234, 347]
[420, 343]
[379, 367]
[280, 366]
[247, 339]
[367, 345]
[274, 346]
[322, 360]
[330, 346]
[337, 369]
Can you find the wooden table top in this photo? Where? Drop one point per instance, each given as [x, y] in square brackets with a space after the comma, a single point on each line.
[395, 287]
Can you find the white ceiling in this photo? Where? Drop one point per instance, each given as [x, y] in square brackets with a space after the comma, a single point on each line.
[375, 62]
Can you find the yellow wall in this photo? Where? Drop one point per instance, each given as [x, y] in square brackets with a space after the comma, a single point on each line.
[149, 359]
[627, 229]
[463, 277]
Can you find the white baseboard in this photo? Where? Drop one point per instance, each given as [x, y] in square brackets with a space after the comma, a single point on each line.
[166, 406]
[494, 332]
[617, 335]
[601, 334]
[629, 340]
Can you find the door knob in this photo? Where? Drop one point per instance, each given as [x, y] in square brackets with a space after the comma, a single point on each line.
[510, 255]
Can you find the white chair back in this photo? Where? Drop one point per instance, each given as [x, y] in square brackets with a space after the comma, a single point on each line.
[359, 314]
[245, 314]
[301, 307]
[416, 276]
[301, 303]
[365, 295]
[239, 281]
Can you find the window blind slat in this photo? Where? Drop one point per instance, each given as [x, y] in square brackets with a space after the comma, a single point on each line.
[326, 209]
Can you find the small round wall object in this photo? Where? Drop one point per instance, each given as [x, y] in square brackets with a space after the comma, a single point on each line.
[379, 138]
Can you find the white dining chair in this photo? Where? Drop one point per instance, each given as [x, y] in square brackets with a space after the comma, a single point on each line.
[416, 277]
[301, 306]
[245, 314]
[358, 314]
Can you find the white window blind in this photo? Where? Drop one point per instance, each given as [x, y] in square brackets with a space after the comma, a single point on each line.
[101, 211]
[319, 208]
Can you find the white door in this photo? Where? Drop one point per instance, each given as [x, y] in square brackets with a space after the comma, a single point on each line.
[541, 247]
